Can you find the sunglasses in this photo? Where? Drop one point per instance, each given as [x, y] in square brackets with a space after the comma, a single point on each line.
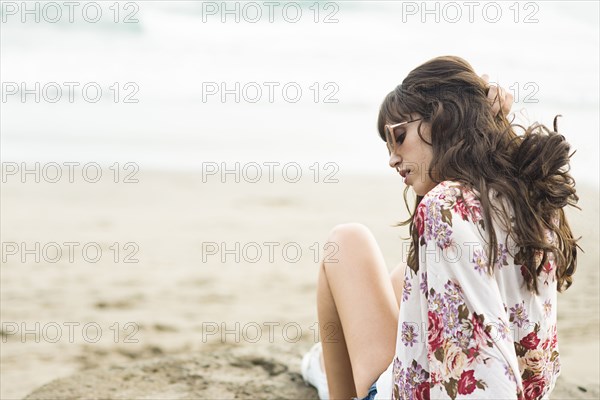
[391, 134]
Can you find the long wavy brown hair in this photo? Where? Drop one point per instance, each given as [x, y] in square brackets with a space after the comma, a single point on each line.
[483, 151]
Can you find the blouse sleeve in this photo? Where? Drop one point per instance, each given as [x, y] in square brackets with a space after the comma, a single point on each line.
[470, 346]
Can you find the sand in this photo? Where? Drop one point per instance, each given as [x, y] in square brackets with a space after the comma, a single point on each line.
[222, 373]
[176, 311]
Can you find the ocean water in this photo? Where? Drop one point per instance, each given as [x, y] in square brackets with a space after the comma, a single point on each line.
[178, 53]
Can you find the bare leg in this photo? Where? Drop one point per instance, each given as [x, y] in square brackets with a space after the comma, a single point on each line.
[335, 352]
[397, 277]
[358, 312]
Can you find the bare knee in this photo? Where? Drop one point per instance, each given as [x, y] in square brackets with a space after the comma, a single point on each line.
[397, 277]
[348, 240]
[397, 274]
[351, 247]
[351, 231]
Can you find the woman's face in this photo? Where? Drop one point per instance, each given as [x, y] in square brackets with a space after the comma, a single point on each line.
[411, 156]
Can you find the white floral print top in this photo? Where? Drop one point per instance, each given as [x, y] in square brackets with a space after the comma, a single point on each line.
[463, 333]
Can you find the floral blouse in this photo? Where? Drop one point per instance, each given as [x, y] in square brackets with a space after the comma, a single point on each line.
[463, 333]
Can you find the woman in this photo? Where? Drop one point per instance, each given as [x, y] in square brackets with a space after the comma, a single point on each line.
[474, 314]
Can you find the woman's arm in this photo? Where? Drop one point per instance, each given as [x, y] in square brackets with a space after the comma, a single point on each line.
[470, 347]
[498, 97]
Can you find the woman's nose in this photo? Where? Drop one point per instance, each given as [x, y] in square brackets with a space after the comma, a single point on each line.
[395, 160]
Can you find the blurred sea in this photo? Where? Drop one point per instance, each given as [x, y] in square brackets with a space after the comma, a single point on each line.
[171, 52]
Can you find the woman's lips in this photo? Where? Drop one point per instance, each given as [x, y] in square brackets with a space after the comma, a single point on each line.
[404, 173]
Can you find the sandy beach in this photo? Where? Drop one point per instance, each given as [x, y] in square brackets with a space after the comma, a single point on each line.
[164, 283]
[232, 265]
